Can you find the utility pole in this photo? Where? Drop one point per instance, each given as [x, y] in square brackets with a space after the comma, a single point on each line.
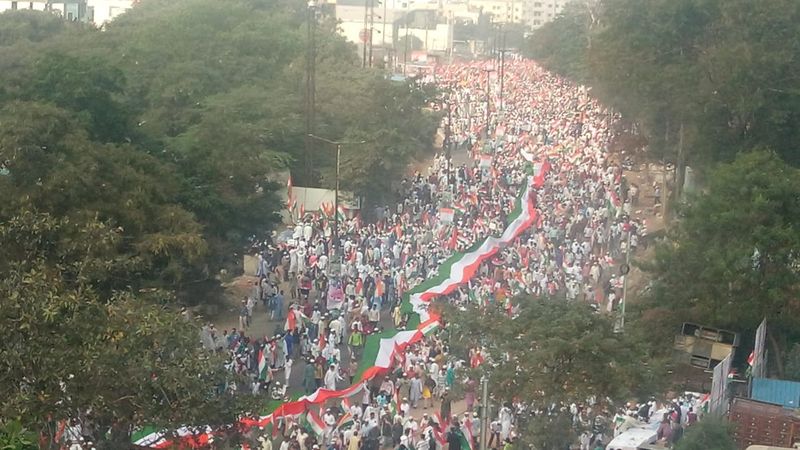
[484, 411]
[334, 251]
[502, 72]
[310, 97]
[487, 71]
[405, 51]
[365, 33]
[371, 29]
[383, 30]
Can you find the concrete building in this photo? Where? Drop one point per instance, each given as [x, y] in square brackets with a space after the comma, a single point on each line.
[388, 22]
[532, 13]
[539, 12]
[98, 12]
[502, 11]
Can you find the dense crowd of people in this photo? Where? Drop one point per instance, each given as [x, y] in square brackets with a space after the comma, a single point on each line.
[326, 310]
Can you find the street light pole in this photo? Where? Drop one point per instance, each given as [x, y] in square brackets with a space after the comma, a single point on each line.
[335, 238]
[488, 71]
[502, 73]
[484, 411]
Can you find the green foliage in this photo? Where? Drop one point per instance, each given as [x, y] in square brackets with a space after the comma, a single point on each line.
[793, 363]
[70, 348]
[54, 166]
[138, 162]
[562, 44]
[556, 352]
[710, 433]
[184, 146]
[719, 68]
[549, 432]
[29, 26]
[732, 260]
[13, 436]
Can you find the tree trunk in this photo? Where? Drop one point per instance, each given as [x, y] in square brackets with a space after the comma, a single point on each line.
[778, 351]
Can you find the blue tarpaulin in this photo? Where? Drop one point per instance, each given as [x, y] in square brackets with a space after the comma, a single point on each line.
[779, 392]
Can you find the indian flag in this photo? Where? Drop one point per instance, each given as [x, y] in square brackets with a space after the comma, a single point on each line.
[345, 422]
[466, 437]
[394, 405]
[613, 203]
[704, 403]
[429, 327]
[315, 423]
[341, 213]
[446, 215]
[262, 365]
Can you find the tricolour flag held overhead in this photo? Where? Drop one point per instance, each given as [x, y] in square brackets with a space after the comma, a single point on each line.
[446, 215]
[315, 423]
[263, 367]
[345, 422]
[429, 327]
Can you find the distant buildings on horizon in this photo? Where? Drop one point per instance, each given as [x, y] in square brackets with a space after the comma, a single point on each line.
[430, 23]
[97, 12]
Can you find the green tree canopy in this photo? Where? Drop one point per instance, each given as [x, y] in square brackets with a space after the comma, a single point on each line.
[711, 73]
[732, 259]
[554, 353]
[72, 350]
[184, 146]
[711, 433]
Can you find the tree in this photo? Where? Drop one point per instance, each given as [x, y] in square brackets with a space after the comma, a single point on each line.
[203, 129]
[554, 351]
[13, 436]
[732, 260]
[557, 353]
[711, 433]
[117, 361]
[562, 44]
[29, 26]
[55, 167]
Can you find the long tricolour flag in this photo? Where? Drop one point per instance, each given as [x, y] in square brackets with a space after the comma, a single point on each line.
[381, 351]
[460, 268]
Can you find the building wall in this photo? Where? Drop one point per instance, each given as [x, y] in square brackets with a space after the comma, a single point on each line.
[98, 12]
[539, 12]
[37, 5]
[107, 10]
[351, 23]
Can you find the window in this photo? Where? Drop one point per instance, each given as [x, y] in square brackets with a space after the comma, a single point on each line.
[537, 22]
[537, 14]
[14, 6]
[537, 5]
